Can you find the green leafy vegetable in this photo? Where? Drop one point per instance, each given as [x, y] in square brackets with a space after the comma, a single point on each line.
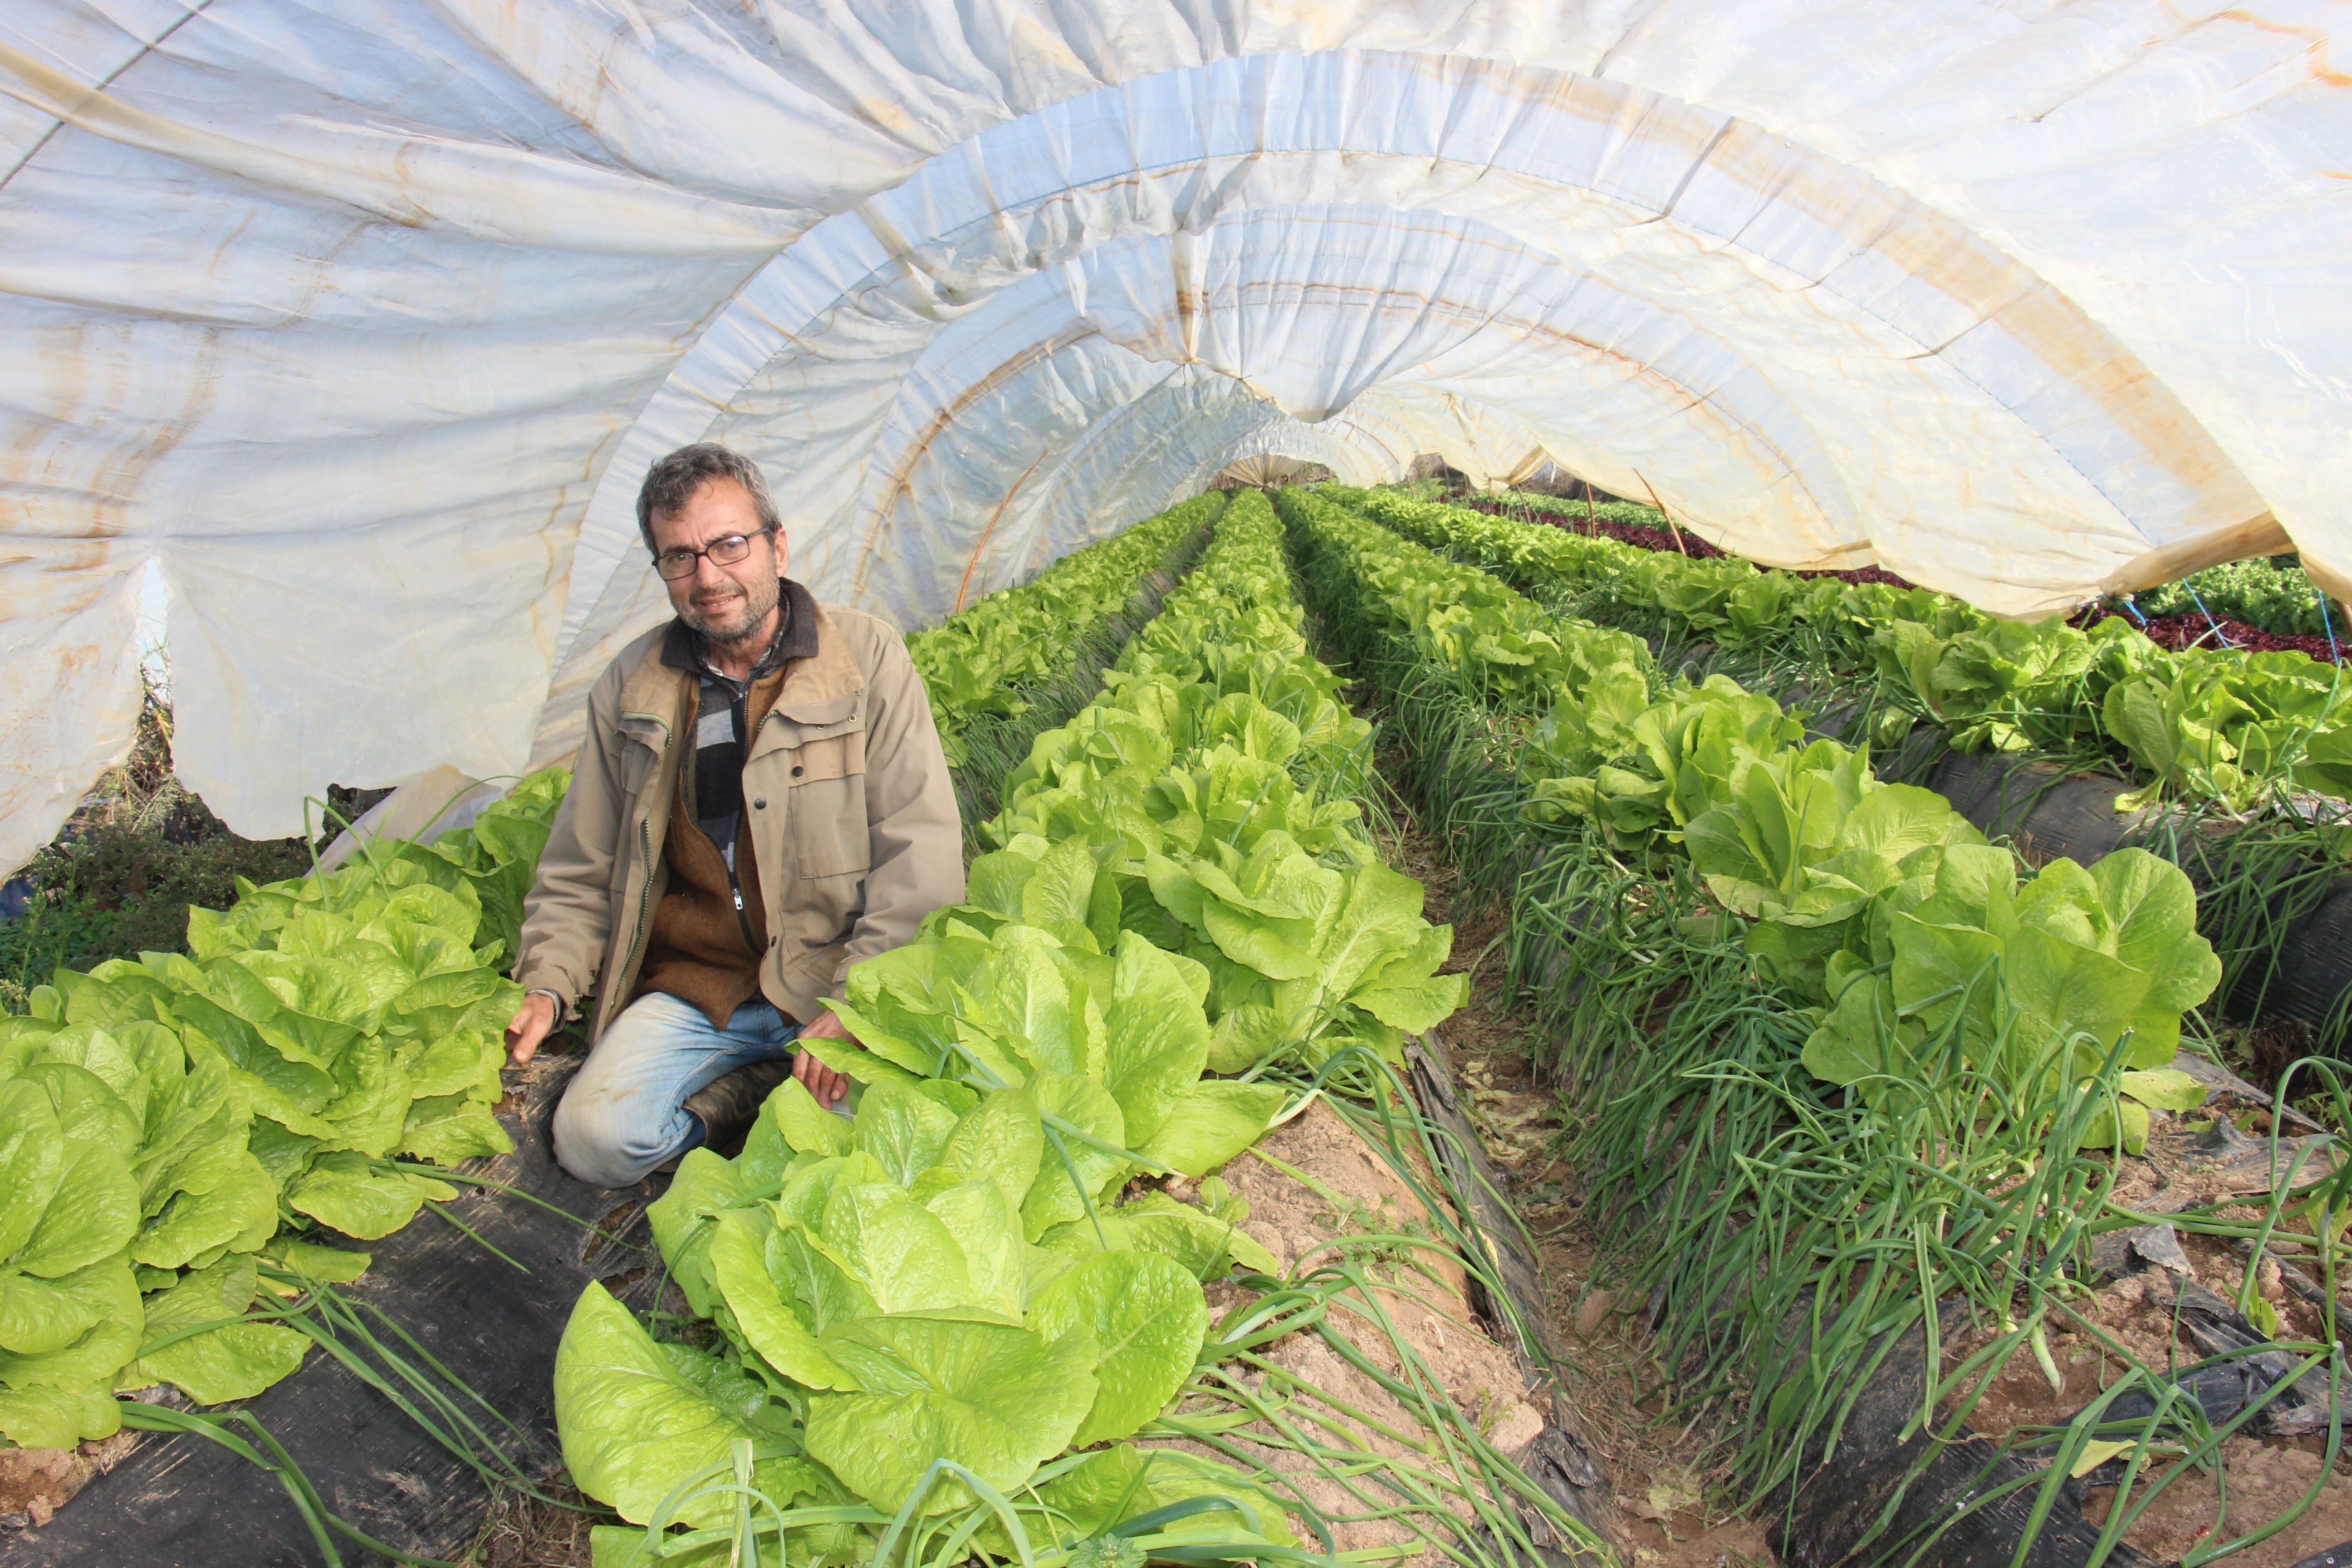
[1878, 903]
[638, 1417]
[162, 1115]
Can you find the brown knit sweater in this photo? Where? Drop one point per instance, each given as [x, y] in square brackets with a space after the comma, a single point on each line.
[700, 950]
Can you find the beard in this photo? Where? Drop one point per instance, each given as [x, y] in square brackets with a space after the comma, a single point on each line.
[735, 618]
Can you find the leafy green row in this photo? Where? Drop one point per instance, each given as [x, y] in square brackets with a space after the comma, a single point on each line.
[981, 660]
[1784, 1237]
[1203, 803]
[1876, 904]
[2202, 724]
[166, 1125]
[2272, 593]
[1576, 512]
[892, 1340]
[941, 1305]
[1725, 600]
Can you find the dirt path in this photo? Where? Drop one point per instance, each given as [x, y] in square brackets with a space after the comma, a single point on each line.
[1672, 1498]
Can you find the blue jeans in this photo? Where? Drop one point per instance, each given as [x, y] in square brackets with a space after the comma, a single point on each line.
[624, 1112]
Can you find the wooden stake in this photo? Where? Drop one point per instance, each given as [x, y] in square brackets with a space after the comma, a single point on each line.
[1663, 511]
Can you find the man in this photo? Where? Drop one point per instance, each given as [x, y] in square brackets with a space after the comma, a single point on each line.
[760, 802]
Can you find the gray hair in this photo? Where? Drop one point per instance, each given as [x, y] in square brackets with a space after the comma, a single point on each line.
[673, 480]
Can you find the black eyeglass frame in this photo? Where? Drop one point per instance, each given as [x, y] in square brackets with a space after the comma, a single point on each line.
[725, 541]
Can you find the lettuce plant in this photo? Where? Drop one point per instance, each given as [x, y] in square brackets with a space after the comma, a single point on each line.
[1802, 840]
[161, 1119]
[889, 1285]
[69, 1316]
[2031, 987]
[2227, 728]
[1113, 1046]
[1314, 958]
[1646, 775]
[497, 855]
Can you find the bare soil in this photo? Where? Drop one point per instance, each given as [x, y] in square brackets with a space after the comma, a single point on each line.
[520, 1531]
[37, 1482]
[1352, 1195]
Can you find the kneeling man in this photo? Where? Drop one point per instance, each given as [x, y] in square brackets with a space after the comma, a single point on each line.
[762, 802]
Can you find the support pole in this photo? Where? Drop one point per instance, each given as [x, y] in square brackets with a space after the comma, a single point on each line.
[1663, 511]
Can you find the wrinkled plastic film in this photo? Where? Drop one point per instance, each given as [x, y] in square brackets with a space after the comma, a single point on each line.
[363, 324]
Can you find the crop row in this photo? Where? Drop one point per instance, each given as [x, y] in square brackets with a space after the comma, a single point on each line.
[943, 1319]
[989, 660]
[2200, 724]
[2266, 594]
[170, 1128]
[1875, 902]
[1834, 1061]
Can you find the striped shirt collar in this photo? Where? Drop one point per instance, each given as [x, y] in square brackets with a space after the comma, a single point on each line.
[712, 780]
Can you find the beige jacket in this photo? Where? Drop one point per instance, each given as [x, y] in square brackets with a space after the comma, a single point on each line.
[853, 821]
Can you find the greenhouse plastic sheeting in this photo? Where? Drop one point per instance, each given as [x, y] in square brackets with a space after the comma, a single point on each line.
[359, 320]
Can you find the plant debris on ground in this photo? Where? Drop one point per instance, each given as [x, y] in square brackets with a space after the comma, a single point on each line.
[141, 850]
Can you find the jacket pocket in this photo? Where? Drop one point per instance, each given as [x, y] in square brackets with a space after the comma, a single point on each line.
[831, 846]
[641, 759]
[821, 752]
[830, 836]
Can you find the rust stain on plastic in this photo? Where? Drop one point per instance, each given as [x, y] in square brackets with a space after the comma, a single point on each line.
[972, 563]
[2261, 535]
[1993, 287]
[1940, 253]
[1196, 305]
[68, 502]
[900, 480]
[2315, 42]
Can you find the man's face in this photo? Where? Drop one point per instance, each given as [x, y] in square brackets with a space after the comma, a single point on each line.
[725, 603]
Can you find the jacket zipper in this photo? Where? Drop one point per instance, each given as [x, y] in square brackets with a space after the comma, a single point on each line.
[742, 919]
[742, 705]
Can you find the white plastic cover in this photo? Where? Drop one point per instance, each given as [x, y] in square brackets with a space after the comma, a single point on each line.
[361, 318]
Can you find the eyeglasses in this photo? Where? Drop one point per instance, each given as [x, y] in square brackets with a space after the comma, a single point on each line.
[724, 551]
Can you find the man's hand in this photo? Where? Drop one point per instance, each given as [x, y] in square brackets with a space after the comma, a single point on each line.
[823, 1083]
[529, 1026]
